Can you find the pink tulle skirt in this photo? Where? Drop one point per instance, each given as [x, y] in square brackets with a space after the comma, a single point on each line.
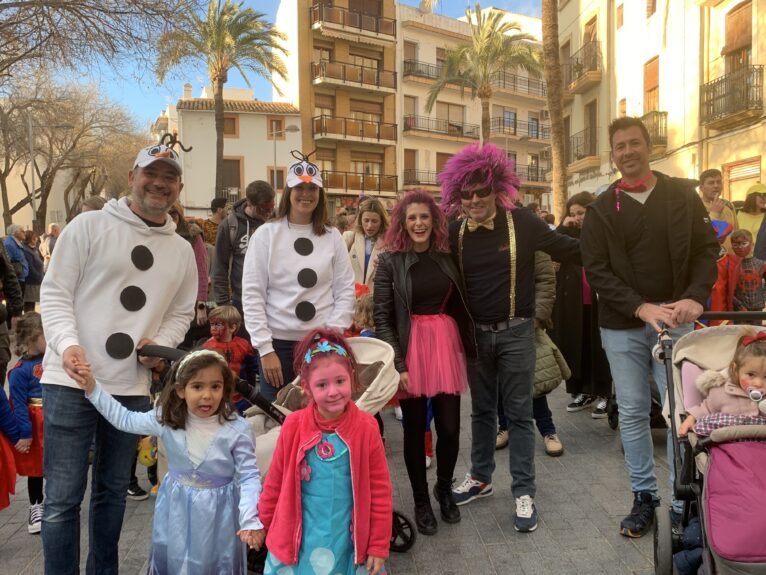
[435, 357]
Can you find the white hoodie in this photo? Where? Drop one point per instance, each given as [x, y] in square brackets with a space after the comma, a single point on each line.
[82, 295]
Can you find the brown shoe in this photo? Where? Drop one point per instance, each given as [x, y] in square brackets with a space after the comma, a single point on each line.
[553, 446]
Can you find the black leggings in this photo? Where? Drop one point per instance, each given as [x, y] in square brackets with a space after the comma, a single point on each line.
[446, 409]
[35, 489]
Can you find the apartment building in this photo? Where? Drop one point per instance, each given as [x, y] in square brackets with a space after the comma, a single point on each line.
[518, 117]
[342, 76]
[258, 137]
[692, 69]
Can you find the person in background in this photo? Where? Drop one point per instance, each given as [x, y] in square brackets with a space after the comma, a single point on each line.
[35, 276]
[750, 217]
[48, 243]
[13, 247]
[341, 224]
[10, 310]
[92, 204]
[711, 184]
[550, 219]
[219, 209]
[363, 241]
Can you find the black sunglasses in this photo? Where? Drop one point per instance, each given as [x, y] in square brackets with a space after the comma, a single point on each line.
[482, 193]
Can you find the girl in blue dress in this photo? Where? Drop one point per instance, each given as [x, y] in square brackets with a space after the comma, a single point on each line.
[210, 494]
[326, 502]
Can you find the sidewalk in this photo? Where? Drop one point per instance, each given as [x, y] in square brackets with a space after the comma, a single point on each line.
[581, 497]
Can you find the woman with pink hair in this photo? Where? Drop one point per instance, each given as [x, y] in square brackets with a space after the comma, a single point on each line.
[417, 305]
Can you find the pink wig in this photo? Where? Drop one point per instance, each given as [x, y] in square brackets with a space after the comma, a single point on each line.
[486, 166]
[398, 240]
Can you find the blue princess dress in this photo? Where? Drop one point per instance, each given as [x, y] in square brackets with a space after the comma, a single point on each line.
[327, 547]
[195, 518]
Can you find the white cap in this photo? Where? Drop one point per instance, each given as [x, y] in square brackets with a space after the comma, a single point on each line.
[158, 153]
[303, 172]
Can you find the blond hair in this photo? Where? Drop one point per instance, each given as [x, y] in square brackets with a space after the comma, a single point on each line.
[228, 313]
[363, 317]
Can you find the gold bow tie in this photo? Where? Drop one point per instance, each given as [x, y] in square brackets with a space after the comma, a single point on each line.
[473, 225]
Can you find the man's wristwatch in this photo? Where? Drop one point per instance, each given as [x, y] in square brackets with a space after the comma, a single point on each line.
[201, 305]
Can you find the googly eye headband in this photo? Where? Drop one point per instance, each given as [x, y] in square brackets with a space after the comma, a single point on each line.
[199, 353]
[303, 172]
[322, 345]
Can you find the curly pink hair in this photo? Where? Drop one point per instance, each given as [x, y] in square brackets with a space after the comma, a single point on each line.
[398, 240]
[486, 166]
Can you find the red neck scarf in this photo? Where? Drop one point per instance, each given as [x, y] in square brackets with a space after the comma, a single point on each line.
[636, 187]
[327, 425]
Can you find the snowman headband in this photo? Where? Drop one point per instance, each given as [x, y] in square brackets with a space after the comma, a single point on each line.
[303, 172]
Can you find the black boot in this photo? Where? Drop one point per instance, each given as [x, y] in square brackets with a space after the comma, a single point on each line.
[425, 518]
[449, 509]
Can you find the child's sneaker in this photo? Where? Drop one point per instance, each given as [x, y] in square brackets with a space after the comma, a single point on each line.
[153, 491]
[471, 489]
[525, 519]
[34, 525]
[428, 462]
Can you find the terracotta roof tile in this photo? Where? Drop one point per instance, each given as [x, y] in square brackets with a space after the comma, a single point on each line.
[255, 106]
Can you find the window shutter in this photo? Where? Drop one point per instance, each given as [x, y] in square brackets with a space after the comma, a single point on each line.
[325, 101]
[366, 107]
[739, 28]
[325, 154]
[651, 74]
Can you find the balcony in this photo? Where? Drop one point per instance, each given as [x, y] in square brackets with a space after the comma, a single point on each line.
[532, 173]
[425, 125]
[421, 69]
[583, 151]
[584, 68]
[419, 178]
[350, 24]
[732, 99]
[353, 76]
[503, 127]
[334, 128]
[519, 85]
[657, 125]
[354, 183]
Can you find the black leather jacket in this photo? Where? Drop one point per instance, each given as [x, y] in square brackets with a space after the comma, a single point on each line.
[393, 301]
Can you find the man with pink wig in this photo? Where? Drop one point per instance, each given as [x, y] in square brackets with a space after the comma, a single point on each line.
[494, 246]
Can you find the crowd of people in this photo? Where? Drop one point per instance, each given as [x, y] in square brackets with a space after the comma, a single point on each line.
[477, 294]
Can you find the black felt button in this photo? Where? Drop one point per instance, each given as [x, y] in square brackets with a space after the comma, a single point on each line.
[307, 278]
[303, 246]
[119, 345]
[305, 311]
[133, 298]
[142, 258]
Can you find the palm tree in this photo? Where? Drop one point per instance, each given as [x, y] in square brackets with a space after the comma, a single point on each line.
[495, 47]
[554, 82]
[427, 5]
[229, 37]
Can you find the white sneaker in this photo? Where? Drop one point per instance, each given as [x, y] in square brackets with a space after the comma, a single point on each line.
[525, 519]
[398, 413]
[34, 525]
[428, 462]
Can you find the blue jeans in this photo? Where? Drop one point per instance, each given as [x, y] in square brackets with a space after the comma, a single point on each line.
[71, 422]
[284, 350]
[630, 358]
[540, 412]
[506, 360]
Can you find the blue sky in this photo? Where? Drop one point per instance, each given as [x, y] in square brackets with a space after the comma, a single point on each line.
[139, 92]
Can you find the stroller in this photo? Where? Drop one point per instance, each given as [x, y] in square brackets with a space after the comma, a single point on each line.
[379, 380]
[721, 479]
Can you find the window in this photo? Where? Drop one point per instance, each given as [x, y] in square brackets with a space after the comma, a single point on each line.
[410, 160]
[232, 175]
[231, 126]
[324, 105]
[441, 159]
[623, 106]
[410, 50]
[620, 16]
[591, 32]
[451, 116]
[651, 7]
[534, 127]
[509, 122]
[441, 56]
[366, 111]
[371, 7]
[322, 54]
[652, 85]
[410, 106]
[279, 182]
[533, 161]
[275, 128]
[739, 37]
[511, 155]
[565, 53]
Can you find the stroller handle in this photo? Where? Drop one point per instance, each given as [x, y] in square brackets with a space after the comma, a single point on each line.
[734, 315]
[163, 351]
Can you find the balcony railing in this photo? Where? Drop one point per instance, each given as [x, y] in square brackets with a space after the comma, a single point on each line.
[422, 69]
[531, 173]
[739, 93]
[355, 182]
[437, 126]
[583, 144]
[586, 59]
[353, 19]
[419, 178]
[657, 125]
[353, 74]
[343, 127]
[519, 84]
[509, 127]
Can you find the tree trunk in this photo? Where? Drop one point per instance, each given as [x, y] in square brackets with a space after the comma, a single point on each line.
[218, 100]
[554, 81]
[485, 120]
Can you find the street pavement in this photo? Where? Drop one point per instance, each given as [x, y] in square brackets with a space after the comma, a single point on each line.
[581, 497]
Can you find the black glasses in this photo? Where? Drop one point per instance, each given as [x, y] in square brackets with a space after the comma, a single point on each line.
[481, 192]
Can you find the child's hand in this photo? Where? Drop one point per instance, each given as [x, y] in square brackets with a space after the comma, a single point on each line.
[23, 445]
[686, 425]
[374, 564]
[254, 538]
[86, 380]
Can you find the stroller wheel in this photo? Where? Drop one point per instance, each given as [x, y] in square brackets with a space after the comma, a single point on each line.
[403, 533]
[663, 541]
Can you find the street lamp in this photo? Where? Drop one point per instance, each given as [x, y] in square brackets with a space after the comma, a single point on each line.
[292, 128]
[32, 199]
